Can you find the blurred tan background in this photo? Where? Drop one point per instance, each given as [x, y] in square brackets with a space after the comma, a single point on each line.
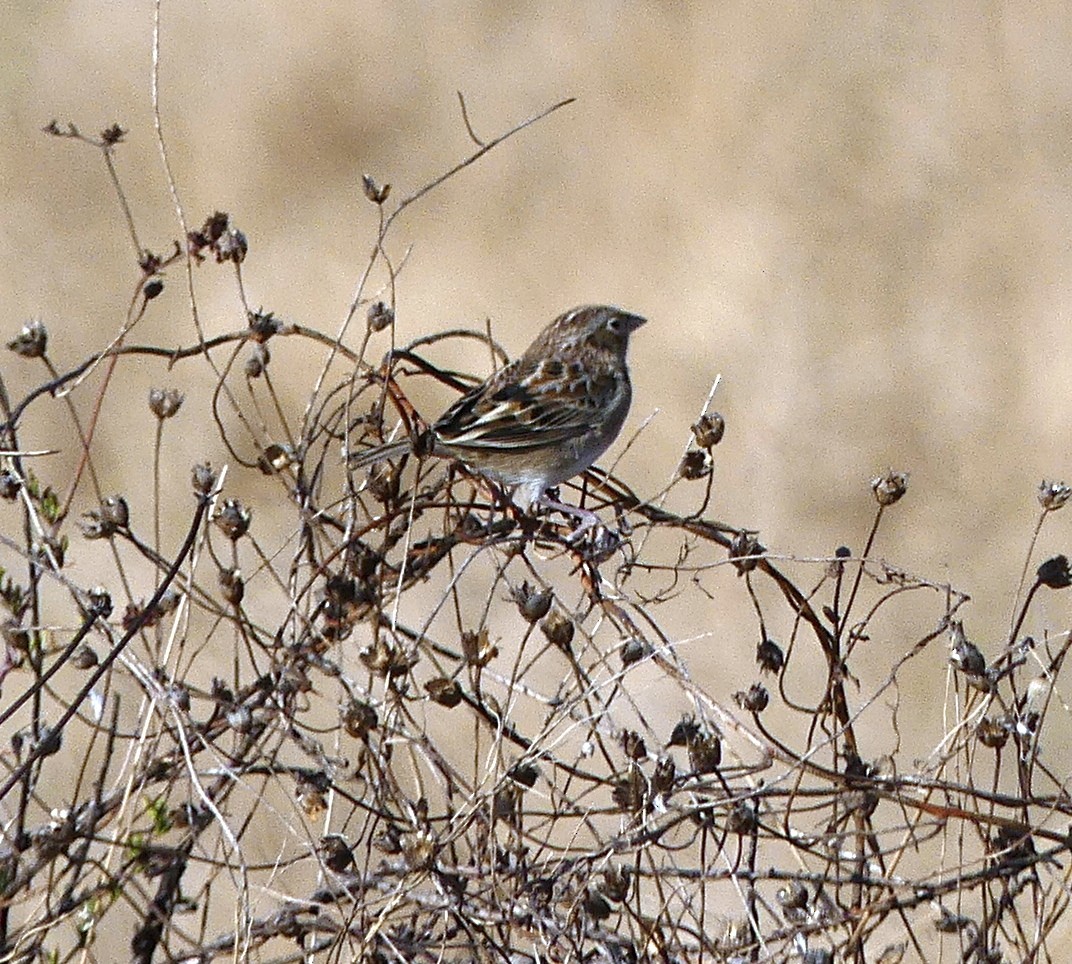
[857, 215]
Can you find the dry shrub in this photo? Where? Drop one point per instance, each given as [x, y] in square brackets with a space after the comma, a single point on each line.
[404, 722]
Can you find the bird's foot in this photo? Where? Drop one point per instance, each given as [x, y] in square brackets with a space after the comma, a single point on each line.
[604, 540]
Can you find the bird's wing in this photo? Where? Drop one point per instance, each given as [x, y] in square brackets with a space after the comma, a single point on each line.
[521, 413]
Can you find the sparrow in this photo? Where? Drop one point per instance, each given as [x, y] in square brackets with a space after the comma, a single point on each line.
[545, 417]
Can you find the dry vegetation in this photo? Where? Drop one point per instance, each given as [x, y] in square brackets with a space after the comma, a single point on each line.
[418, 726]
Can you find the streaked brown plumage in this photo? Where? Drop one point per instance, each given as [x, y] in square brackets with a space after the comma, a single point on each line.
[545, 417]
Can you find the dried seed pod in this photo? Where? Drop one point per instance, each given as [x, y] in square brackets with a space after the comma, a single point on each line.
[232, 246]
[150, 264]
[559, 629]
[115, 512]
[165, 402]
[380, 316]
[99, 602]
[595, 905]
[104, 521]
[705, 753]
[793, 895]
[9, 485]
[384, 658]
[389, 840]
[1053, 495]
[311, 798]
[232, 585]
[742, 818]
[634, 746]
[533, 603]
[541, 891]
[220, 691]
[383, 482]
[889, 488]
[964, 654]
[418, 849]
[445, 692]
[662, 779]
[684, 732]
[1055, 573]
[506, 802]
[84, 657]
[708, 431]
[477, 647]
[179, 695]
[293, 679]
[696, 464]
[44, 740]
[112, 135]
[32, 341]
[630, 791]
[634, 650]
[359, 719]
[617, 882]
[744, 552]
[362, 559]
[525, 774]
[373, 191]
[257, 362]
[207, 235]
[754, 700]
[134, 615]
[769, 656]
[335, 852]
[276, 458]
[992, 733]
[204, 479]
[263, 325]
[837, 565]
[340, 589]
[233, 519]
[1013, 846]
[240, 718]
[91, 526]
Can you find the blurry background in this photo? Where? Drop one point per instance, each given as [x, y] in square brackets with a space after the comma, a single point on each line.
[857, 214]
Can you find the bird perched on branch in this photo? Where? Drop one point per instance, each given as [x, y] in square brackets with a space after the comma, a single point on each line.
[545, 417]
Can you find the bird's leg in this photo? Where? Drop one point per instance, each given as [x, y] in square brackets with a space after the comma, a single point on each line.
[501, 502]
[587, 518]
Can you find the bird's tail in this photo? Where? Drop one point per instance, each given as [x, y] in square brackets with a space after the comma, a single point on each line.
[380, 453]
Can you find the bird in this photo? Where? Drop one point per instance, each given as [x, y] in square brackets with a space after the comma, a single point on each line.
[545, 417]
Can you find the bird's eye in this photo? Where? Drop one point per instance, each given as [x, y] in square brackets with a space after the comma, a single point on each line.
[614, 323]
